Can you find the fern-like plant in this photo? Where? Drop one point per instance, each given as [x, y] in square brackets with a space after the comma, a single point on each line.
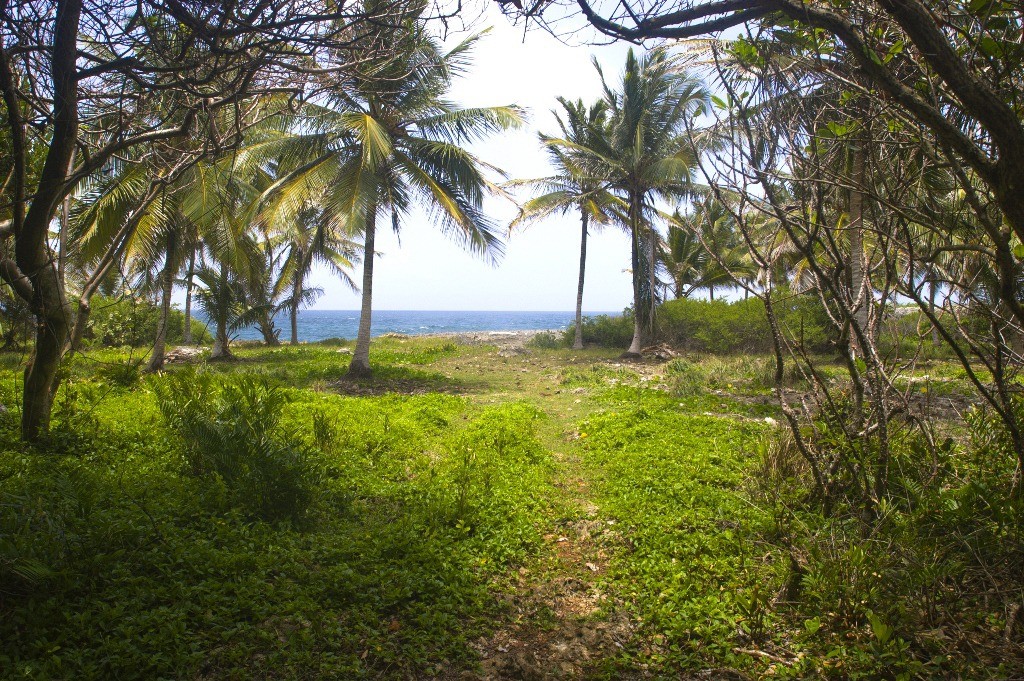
[233, 432]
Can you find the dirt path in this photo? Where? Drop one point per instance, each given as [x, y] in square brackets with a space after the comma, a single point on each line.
[563, 621]
[560, 623]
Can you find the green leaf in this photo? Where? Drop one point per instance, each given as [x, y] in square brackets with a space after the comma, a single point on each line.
[990, 47]
[881, 630]
[838, 129]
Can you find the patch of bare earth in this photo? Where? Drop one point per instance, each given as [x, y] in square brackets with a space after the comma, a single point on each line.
[400, 386]
[563, 622]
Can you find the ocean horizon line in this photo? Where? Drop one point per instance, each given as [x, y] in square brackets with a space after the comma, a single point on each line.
[438, 311]
[314, 324]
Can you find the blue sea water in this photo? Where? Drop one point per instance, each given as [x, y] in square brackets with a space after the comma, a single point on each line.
[315, 325]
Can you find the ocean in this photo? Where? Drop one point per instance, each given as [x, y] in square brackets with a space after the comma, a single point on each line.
[316, 325]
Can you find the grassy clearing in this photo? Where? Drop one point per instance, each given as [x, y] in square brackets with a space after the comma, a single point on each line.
[543, 512]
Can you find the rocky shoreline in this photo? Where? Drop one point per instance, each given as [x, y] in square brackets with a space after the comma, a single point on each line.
[502, 339]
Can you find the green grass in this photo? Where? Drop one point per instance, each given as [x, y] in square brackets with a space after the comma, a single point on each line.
[672, 484]
[443, 491]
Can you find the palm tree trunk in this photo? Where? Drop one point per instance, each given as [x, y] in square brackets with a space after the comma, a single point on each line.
[294, 305]
[156, 359]
[186, 334]
[221, 340]
[711, 292]
[270, 334]
[578, 341]
[360, 365]
[636, 345]
[652, 280]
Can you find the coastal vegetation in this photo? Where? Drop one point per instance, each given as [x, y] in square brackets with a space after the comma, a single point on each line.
[799, 453]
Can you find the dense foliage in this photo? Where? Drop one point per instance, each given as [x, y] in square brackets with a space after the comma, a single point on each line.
[851, 170]
[432, 518]
[116, 322]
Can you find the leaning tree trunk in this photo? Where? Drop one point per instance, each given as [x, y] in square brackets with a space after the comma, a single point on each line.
[186, 333]
[578, 341]
[43, 290]
[156, 359]
[359, 367]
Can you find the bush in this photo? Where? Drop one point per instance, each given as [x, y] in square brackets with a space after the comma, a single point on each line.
[604, 330]
[717, 326]
[723, 327]
[548, 341]
[233, 434]
[117, 322]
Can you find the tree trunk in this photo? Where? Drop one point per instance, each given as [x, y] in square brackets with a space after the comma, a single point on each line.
[360, 365]
[711, 292]
[40, 375]
[31, 249]
[269, 332]
[860, 287]
[578, 341]
[221, 340]
[297, 282]
[637, 344]
[652, 280]
[933, 287]
[156, 359]
[186, 333]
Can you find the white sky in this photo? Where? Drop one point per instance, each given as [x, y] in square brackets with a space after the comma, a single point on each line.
[540, 267]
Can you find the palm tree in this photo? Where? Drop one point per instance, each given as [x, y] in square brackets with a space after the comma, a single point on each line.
[645, 155]
[570, 188]
[703, 250]
[683, 256]
[306, 238]
[390, 139]
[222, 296]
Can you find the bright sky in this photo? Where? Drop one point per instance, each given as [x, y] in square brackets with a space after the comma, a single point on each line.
[540, 268]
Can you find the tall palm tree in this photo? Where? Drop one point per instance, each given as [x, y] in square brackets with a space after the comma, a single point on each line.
[390, 139]
[644, 156]
[570, 188]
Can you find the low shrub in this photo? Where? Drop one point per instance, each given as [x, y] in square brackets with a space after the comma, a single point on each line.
[717, 326]
[232, 434]
[548, 341]
[604, 330]
[723, 327]
[117, 322]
